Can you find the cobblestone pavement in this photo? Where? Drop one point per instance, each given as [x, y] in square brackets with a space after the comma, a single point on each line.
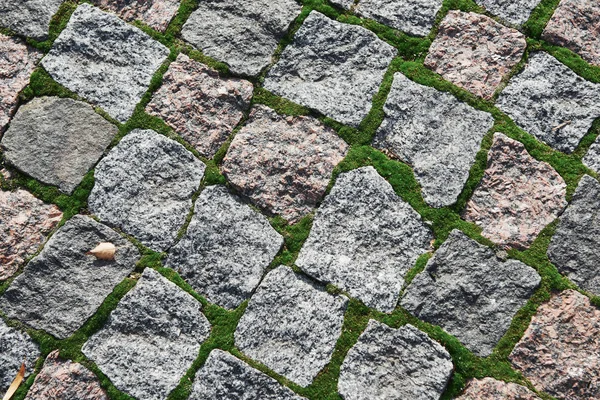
[306, 199]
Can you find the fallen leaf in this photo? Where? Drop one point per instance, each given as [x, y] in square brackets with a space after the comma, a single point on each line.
[104, 251]
[15, 383]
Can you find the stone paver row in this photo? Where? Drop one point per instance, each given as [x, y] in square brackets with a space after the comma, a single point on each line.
[364, 237]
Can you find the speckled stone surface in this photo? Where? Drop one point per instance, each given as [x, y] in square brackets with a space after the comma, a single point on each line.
[332, 67]
[291, 325]
[243, 34]
[514, 11]
[576, 25]
[283, 164]
[435, 133]
[25, 221]
[112, 71]
[492, 389]
[415, 17]
[364, 239]
[16, 347]
[199, 105]
[475, 52]
[592, 157]
[560, 352]
[29, 18]
[551, 102]
[470, 293]
[517, 197]
[17, 62]
[155, 13]
[389, 363]
[64, 379]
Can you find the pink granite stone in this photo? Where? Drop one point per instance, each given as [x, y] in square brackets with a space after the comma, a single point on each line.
[199, 105]
[17, 62]
[65, 380]
[492, 389]
[560, 351]
[475, 52]
[25, 222]
[517, 197]
[283, 164]
[155, 13]
[576, 25]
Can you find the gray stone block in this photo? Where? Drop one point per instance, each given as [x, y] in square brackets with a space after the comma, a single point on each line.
[29, 18]
[415, 17]
[16, 347]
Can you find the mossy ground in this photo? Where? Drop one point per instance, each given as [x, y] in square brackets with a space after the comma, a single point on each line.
[411, 54]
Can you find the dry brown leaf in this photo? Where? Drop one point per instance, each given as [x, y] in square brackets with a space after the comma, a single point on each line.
[104, 251]
[15, 383]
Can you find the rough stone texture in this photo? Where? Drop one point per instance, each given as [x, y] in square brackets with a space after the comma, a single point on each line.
[57, 141]
[551, 102]
[576, 25]
[560, 351]
[438, 135]
[151, 339]
[514, 11]
[200, 106]
[492, 389]
[415, 17]
[475, 52]
[389, 363]
[592, 158]
[517, 197]
[29, 17]
[15, 347]
[332, 67]
[155, 13]
[17, 62]
[243, 34]
[283, 164]
[145, 186]
[62, 287]
[471, 294]
[60, 379]
[224, 376]
[364, 239]
[25, 222]
[347, 4]
[291, 325]
[105, 60]
[574, 246]
[226, 249]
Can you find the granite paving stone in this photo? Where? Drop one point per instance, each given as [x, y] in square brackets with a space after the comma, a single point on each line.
[224, 376]
[332, 67]
[415, 17]
[347, 4]
[575, 25]
[151, 339]
[291, 325]
[226, 249]
[62, 287]
[560, 352]
[29, 18]
[199, 105]
[470, 293]
[25, 221]
[492, 389]
[243, 34]
[283, 164]
[389, 363]
[57, 141]
[434, 132]
[592, 157]
[551, 102]
[514, 11]
[574, 247]
[517, 197]
[16, 347]
[17, 62]
[364, 239]
[475, 52]
[105, 60]
[64, 379]
[155, 13]
[145, 186]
